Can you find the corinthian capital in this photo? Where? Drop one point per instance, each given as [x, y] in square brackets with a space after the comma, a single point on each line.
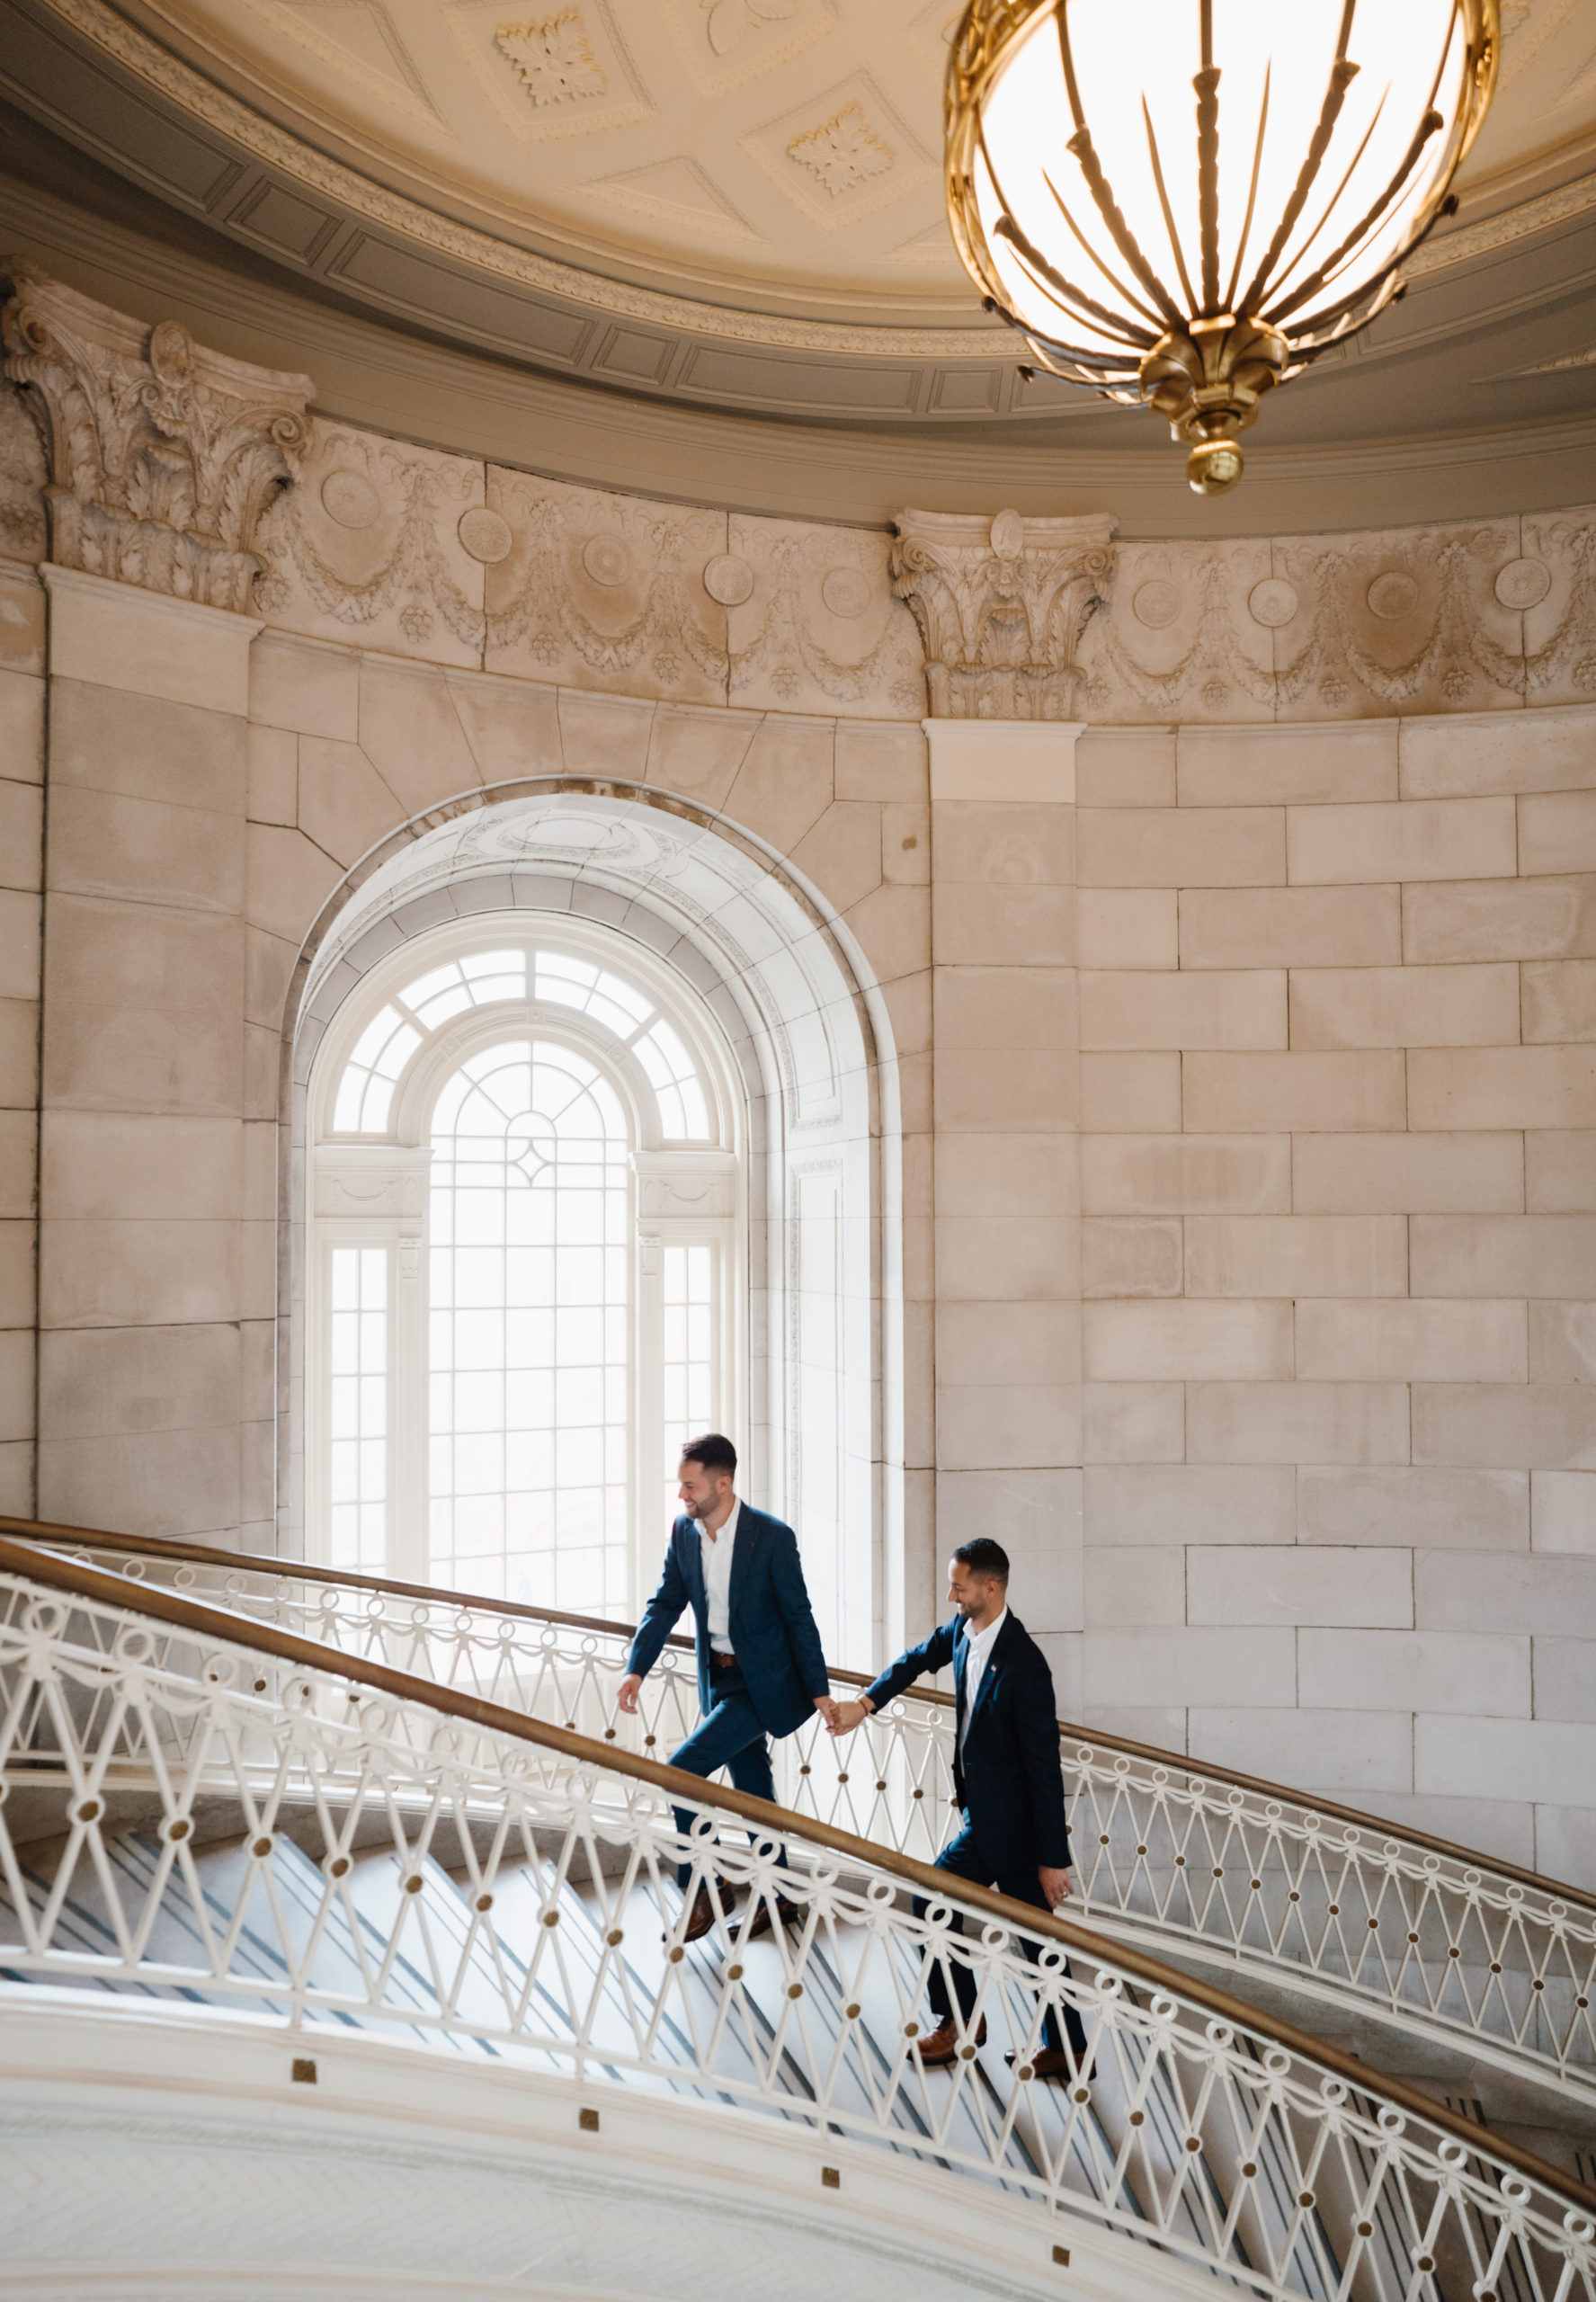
[161, 456]
[1001, 605]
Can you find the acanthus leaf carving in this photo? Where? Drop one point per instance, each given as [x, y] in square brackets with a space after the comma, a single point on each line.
[162, 457]
[1002, 605]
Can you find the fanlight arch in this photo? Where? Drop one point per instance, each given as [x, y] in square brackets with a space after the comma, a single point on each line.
[746, 1051]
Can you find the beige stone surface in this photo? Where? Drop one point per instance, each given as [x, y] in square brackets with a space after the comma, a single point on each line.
[1495, 919]
[1005, 1174]
[19, 1137]
[1290, 927]
[1560, 1000]
[1403, 1175]
[1130, 1255]
[1132, 1342]
[877, 760]
[99, 1383]
[345, 805]
[841, 854]
[1181, 847]
[1557, 831]
[1007, 927]
[1296, 1254]
[16, 1385]
[1352, 1757]
[1005, 1008]
[145, 748]
[148, 644]
[696, 752]
[1560, 1172]
[1433, 1671]
[1563, 1512]
[21, 823]
[1296, 1423]
[142, 1007]
[1007, 1342]
[1541, 750]
[412, 732]
[1476, 1509]
[1409, 1006]
[1127, 1589]
[994, 1088]
[1175, 1504]
[310, 688]
[1565, 1679]
[1125, 767]
[1538, 1427]
[1410, 839]
[130, 1273]
[1502, 1086]
[1505, 1758]
[21, 726]
[272, 776]
[104, 844]
[1429, 1342]
[1126, 927]
[1007, 1258]
[1562, 1343]
[19, 1054]
[1247, 767]
[1276, 1584]
[120, 1165]
[19, 944]
[1132, 1422]
[1130, 1093]
[1186, 1174]
[1266, 1094]
[178, 1483]
[999, 1426]
[1190, 1667]
[19, 1299]
[1504, 1255]
[1150, 1010]
[790, 649]
[1527, 1593]
[290, 879]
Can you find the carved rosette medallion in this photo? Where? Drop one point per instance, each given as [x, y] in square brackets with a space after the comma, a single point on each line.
[1002, 605]
[163, 457]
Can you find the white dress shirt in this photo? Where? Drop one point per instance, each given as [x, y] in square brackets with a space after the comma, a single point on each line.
[715, 1551]
[977, 1647]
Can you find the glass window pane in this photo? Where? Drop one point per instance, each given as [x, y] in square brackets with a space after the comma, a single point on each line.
[358, 1410]
[530, 1373]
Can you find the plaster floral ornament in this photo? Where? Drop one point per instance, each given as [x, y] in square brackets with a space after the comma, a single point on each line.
[553, 59]
[728, 22]
[843, 152]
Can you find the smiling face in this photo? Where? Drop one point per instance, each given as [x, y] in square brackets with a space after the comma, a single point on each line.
[978, 1597]
[706, 1493]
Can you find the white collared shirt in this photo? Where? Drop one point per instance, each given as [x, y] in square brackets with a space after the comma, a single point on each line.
[715, 1551]
[978, 1647]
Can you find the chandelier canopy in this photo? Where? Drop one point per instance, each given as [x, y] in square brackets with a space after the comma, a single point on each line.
[1182, 202]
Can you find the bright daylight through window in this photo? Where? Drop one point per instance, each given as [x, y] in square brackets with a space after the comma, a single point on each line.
[513, 1333]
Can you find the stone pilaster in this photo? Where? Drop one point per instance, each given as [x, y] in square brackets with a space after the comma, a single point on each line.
[1002, 605]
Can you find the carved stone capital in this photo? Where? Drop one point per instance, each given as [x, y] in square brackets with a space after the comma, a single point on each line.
[161, 456]
[1001, 605]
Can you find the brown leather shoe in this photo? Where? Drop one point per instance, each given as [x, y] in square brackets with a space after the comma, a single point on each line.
[947, 2043]
[1050, 2062]
[706, 1907]
[760, 1921]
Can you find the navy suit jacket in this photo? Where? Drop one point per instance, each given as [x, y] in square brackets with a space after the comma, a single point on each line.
[773, 1627]
[1007, 1781]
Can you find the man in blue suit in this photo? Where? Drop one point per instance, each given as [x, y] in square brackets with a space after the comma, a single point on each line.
[1006, 1781]
[761, 1669]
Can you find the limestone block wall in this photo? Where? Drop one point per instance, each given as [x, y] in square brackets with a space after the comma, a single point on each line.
[1338, 1188]
[22, 838]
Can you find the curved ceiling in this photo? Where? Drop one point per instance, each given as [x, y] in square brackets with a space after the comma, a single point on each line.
[736, 205]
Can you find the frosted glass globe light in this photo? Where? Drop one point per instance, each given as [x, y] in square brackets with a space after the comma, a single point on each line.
[1183, 202]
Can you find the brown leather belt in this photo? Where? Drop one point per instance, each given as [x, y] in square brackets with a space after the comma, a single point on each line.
[723, 1662]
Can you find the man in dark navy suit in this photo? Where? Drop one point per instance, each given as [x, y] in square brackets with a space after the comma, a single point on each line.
[1006, 1781]
[761, 1669]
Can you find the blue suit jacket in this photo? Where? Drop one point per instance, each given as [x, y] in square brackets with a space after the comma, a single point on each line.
[773, 1627]
[1008, 1781]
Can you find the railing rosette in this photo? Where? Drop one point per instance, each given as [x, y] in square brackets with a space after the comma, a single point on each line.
[1201, 1861]
[214, 1812]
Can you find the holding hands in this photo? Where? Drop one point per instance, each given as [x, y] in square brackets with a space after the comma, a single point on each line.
[846, 1715]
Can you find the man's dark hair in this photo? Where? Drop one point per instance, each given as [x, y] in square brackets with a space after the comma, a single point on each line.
[716, 1453]
[984, 1557]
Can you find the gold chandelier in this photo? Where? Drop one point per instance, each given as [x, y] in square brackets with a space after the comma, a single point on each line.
[1181, 203]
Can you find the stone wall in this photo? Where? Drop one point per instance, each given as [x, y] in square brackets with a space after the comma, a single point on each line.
[1245, 1045]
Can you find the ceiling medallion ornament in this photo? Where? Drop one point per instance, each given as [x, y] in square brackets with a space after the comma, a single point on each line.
[1184, 204]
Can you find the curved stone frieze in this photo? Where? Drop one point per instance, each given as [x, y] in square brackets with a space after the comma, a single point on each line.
[163, 459]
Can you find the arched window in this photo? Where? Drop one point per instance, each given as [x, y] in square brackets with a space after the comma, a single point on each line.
[525, 1285]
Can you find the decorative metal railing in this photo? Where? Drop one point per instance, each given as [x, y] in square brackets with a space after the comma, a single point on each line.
[214, 1812]
[1198, 1860]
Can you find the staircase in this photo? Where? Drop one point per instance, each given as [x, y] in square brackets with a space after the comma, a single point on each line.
[213, 1816]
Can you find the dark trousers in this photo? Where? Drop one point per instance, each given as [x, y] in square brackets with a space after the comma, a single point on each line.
[728, 1735]
[963, 1859]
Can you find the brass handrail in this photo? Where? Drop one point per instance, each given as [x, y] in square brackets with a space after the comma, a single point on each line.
[254, 1562]
[42, 1565]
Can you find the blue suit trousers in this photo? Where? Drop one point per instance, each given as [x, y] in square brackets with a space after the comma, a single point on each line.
[728, 1735]
[961, 1858]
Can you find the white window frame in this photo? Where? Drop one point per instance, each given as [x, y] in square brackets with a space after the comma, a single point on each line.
[371, 1189]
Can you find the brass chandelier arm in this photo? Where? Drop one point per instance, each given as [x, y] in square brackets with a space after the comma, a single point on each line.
[1247, 230]
[78, 1580]
[1341, 77]
[1032, 256]
[1081, 144]
[1427, 128]
[1168, 217]
[46, 1533]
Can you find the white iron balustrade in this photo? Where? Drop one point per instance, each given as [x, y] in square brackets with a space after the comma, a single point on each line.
[1167, 1853]
[194, 1817]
